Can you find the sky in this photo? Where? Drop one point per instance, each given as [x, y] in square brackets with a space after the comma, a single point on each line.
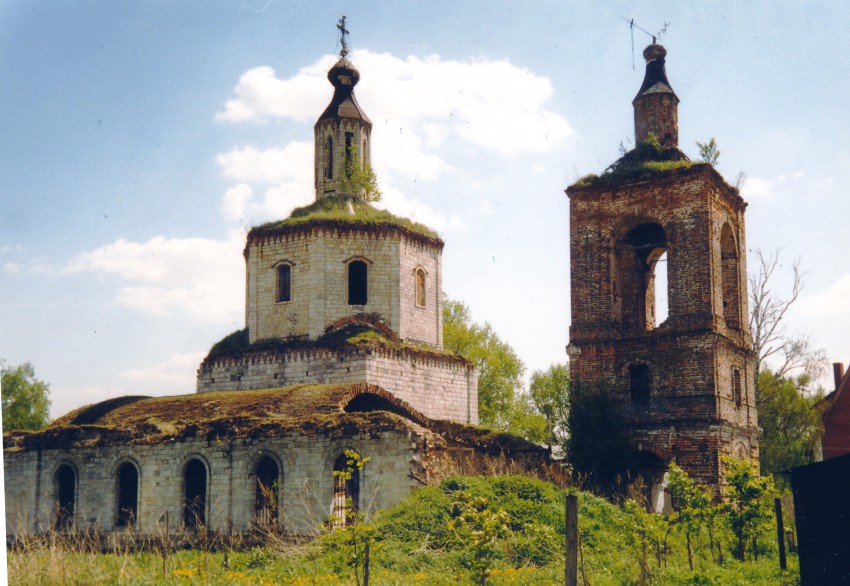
[140, 140]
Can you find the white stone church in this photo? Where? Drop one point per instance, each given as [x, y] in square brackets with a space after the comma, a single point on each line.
[342, 350]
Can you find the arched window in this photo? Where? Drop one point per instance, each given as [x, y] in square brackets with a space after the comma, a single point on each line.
[349, 152]
[284, 283]
[736, 386]
[420, 287]
[357, 282]
[639, 254]
[329, 158]
[65, 482]
[194, 494]
[128, 494]
[730, 278]
[268, 484]
[346, 500]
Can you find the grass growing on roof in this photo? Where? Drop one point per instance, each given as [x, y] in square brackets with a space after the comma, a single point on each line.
[648, 159]
[338, 209]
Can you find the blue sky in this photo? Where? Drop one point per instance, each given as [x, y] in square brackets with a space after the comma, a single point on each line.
[141, 139]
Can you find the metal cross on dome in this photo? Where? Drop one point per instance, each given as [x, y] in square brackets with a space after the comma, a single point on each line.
[343, 36]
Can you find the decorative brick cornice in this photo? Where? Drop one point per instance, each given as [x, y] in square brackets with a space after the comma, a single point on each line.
[312, 228]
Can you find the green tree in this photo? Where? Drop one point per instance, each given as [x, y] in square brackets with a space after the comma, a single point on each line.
[525, 420]
[550, 394]
[360, 179]
[747, 506]
[26, 401]
[500, 370]
[481, 528]
[644, 531]
[791, 424]
[708, 152]
[355, 538]
[691, 507]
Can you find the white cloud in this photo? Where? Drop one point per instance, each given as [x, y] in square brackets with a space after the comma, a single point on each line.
[396, 202]
[201, 277]
[12, 267]
[421, 102]
[268, 166]
[174, 375]
[757, 188]
[260, 95]
[760, 188]
[835, 301]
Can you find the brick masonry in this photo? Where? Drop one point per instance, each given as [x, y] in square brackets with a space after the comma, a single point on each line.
[691, 414]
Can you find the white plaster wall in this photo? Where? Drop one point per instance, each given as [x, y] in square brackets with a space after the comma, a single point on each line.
[306, 490]
[439, 388]
[320, 284]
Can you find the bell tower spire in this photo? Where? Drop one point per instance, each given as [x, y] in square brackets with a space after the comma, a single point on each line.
[343, 131]
[656, 104]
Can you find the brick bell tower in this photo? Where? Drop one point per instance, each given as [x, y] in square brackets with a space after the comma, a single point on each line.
[683, 387]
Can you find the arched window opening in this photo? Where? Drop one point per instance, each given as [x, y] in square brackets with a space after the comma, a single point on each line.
[329, 158]
[420, 287]
[346, 501]
[194, 494]
[660, 289]
[268, 484]
[66, 496]
[284, 283]
[647, 474]
[641, 255]
[128, 494]
[349, 141]
[736, 386]
[365, 152]
[730, 278]
[357, 282]
[639, 383]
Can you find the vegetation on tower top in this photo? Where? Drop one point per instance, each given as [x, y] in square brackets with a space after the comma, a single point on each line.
[336, 211]
[649, 158]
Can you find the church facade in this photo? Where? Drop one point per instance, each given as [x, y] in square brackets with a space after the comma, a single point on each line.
[341, 358]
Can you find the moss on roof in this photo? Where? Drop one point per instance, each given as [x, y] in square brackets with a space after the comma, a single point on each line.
[334, 411]
[309, 409]
[647, 159]
[343, 212]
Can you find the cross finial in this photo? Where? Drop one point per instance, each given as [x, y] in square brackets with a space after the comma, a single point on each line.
[343, 37]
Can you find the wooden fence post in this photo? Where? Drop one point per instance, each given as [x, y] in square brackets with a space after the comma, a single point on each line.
[571, 553]
[780, 532]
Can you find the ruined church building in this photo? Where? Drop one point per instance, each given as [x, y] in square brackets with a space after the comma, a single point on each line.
[342, 353]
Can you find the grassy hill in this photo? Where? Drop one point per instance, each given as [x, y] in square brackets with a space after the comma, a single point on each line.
[421, 542]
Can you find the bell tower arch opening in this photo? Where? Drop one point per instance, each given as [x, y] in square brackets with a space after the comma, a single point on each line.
[731, 279]
[641, 254]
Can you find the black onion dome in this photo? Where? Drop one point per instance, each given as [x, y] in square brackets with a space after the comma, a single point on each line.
[655, 81]
[344, 76]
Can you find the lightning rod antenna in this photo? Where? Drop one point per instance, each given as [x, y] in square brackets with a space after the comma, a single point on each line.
[633, 26]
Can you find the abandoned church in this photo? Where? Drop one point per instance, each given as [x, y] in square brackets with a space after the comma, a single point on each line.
[342, 353]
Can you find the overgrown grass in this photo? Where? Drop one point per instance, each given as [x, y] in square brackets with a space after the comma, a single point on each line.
[337, 209]
[414, 545]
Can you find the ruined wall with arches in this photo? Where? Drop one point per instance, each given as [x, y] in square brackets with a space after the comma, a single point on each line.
[285, 484]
